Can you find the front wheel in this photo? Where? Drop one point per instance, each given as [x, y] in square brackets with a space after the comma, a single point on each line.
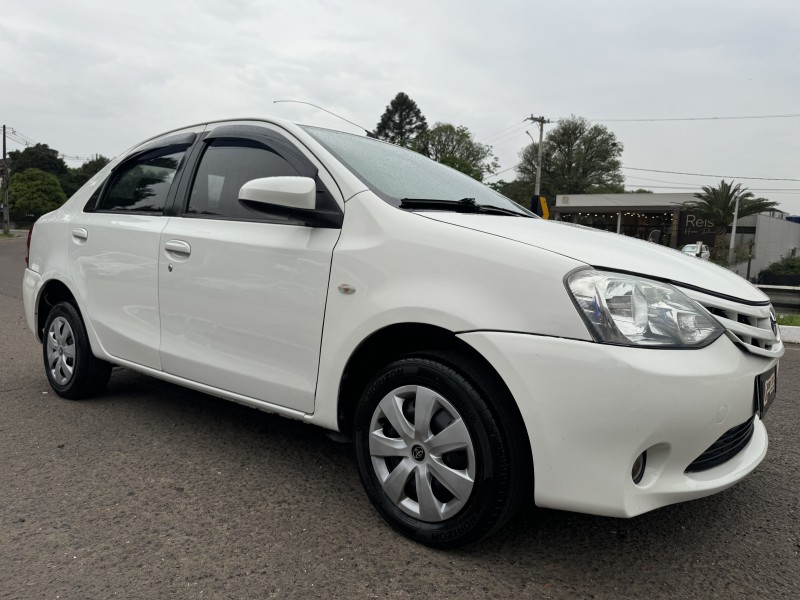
[72, 370]
[436, 450]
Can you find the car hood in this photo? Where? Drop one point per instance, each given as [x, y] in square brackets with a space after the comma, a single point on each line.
[603, 249]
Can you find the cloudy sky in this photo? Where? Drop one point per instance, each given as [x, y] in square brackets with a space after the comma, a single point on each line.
[91, 77]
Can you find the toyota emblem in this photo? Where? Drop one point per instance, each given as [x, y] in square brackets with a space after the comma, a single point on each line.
[417, 453]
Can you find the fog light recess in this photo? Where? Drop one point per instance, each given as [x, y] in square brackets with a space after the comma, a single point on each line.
[637, 472]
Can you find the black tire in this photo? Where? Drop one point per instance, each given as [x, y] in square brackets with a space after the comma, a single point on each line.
[502, 471]
[72, 370]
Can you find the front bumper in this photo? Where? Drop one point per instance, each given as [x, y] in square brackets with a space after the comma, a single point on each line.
[592, 409]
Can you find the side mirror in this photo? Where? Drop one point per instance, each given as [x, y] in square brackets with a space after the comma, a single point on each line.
[289, 192]
[295, 197]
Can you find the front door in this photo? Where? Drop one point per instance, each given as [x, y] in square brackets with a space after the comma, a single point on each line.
[243, 291]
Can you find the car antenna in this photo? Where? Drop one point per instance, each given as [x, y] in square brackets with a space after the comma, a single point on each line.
[368, 132]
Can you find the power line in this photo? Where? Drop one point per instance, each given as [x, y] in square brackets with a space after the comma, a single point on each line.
[697, 187]
[503, 171]
[691, 183]
[22, 140]
[511, 136]
[660, 180]
[506, 130]
[711, 175]
[28, 142]
[18, 133]
[684, 183]
[27, 146]
[502, 132]
[732, 118]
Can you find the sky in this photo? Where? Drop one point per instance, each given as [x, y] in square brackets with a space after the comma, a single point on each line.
[95, 77]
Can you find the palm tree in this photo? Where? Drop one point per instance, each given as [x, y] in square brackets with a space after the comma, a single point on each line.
[717, 205]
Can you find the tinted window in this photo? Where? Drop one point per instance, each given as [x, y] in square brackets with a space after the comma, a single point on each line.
[142, 185]
[225, 167]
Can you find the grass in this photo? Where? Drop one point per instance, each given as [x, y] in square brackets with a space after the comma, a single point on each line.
[789, 320]
[6, 235]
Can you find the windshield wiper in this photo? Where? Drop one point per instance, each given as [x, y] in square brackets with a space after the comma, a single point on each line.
[465, 205]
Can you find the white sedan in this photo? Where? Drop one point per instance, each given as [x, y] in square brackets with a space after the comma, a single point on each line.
[480, 357]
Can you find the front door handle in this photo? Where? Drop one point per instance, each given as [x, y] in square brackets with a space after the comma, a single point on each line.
[178, 247]
[80, 233]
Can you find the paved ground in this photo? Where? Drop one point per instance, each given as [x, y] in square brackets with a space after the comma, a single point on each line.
[156, 492]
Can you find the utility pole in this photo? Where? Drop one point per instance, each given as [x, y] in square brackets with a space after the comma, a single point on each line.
[541, 121]
[6, 218]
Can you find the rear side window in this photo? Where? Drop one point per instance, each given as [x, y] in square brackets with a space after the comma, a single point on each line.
[142, 185]
[225, 167]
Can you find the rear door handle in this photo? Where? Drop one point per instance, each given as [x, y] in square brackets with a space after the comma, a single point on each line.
[80, 233]
[178, 247]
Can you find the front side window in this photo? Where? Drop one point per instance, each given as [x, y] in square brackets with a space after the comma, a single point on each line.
[142, 185]
[225, 167]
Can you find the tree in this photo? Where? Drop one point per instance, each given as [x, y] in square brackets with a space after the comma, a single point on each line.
[518, 190]
[72, 181]
[455, 147]
[717, 204]
[39, 156]
[401, 122]
[34, 192]
[579, 158]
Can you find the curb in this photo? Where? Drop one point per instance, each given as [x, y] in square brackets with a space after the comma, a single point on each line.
[790, 334]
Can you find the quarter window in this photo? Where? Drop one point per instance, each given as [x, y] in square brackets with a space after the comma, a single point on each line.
[143, 184]
[225, 167]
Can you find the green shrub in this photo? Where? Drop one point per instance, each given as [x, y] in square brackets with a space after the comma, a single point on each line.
[784, 272]
[785, 266]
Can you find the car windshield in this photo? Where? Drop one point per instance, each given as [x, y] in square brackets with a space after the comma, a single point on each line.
[395, 173]
[690, 248]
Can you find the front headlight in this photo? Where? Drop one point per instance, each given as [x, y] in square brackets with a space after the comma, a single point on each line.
[634, 311]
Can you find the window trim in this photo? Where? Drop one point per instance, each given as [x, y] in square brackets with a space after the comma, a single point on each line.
[272, 142]
[91, 203]
[138, 157]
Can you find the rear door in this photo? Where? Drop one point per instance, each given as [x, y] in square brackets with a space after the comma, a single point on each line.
[243, 291]
[114, 247]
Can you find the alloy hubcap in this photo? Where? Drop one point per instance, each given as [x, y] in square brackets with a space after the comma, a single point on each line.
[422, 453]
[60, 351]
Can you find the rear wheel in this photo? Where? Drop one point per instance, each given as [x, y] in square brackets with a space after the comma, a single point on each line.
[71, 368]
[437, 450]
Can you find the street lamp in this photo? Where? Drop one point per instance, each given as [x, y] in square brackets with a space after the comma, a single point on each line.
[733, 231]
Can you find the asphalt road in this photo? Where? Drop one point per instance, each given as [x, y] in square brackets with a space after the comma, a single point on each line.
[153, 491]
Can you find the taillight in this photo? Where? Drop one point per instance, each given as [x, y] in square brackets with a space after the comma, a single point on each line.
[28, 249]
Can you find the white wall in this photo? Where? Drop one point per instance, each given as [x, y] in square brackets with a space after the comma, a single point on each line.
[775, 239]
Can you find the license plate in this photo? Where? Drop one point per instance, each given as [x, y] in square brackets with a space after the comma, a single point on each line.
[766, 390]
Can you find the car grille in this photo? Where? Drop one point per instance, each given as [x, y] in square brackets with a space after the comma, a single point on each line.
[725, 448]
[750, 327]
